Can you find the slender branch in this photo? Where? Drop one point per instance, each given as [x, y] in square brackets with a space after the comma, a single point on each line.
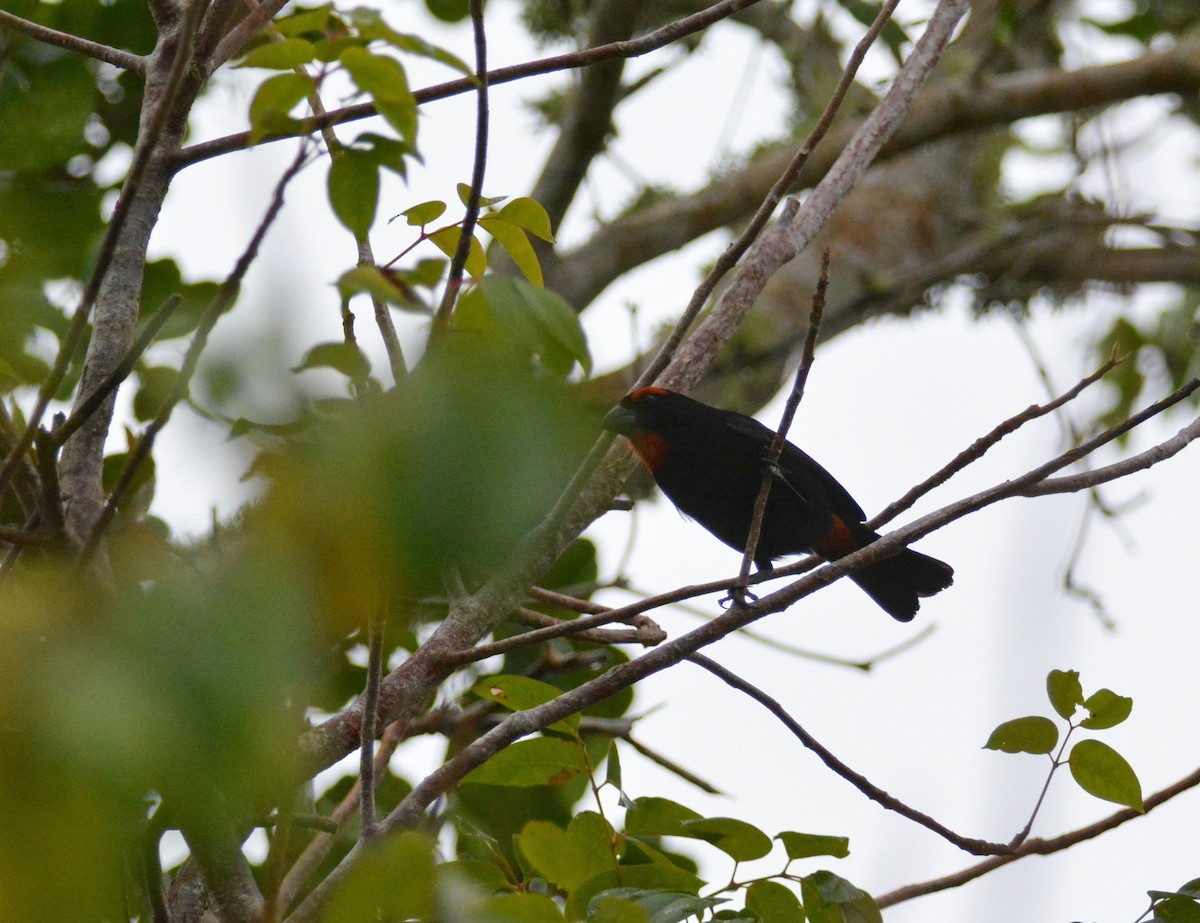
[120, 372]
[644, 632]
[976, 450]
[672, 32]
[221, 301]
[862, 783]
[125, 60]
[458, 263]
[237, 37]
[771, 463]
[1038, 847]
[315, 852]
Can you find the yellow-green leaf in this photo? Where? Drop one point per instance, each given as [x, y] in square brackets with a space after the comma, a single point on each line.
[283, 55]
[273, 100]
[1106, 709]
[515, 242]
[446, 240]
[519, 693]
[528, 213]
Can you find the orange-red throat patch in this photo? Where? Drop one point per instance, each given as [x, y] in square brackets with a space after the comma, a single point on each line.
[651, 447]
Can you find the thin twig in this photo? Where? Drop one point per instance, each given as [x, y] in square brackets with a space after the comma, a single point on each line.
[120, 372]
[771, 463]
[223, 298]
[237, 37]
[632, 48]
[644, 632]
[862, 783]
[125, 60]
[976, 449]
[458, 263]
[315, 852]
[1038, 847]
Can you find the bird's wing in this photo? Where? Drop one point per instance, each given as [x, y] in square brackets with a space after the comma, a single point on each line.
[799, 470]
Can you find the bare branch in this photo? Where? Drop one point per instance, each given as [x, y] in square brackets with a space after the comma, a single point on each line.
[862, 783]
[1038, 847]
[370, 709]
[125, 60]
[976, 449]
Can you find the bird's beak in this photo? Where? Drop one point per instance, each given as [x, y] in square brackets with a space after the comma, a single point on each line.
[619, 420]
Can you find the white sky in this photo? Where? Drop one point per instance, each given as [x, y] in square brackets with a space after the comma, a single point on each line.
[886, 405]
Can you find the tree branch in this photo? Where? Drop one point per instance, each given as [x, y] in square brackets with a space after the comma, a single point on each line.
[125, 60]
[622, 245]
[632, 48]
[1037, 847]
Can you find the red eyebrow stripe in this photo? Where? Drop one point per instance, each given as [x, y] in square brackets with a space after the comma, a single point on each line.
[642, 392]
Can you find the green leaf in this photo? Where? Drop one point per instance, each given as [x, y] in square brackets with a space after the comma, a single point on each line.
[354, 190]
[830, 899]
[386, 285]
[301, 21]
[393, 880]
[537, 761]
[536, 321]
[739, 840]
[464, 196]
[1176, 909]
[806, 845]
[446, 240]
[273, 100]
[613, 773]
[1034, 734]
[528, 213]
[1065, 692]
[518, 693]
[342, 357]
[608, 908]
[774, 902]
[1102, 771]
[657, 817]
[421, 215]
[51, 109]
[662, 905]
[285, 55]
[516, 244]
[383, 79]
[1106, 709]
[154, 386]
[516, 908]
[568, 857]
[371, 26]
[449, 10]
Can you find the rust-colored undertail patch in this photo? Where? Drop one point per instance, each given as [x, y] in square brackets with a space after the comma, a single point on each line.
[838, 542]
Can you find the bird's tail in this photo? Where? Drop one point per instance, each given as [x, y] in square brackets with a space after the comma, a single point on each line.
[898, 583]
